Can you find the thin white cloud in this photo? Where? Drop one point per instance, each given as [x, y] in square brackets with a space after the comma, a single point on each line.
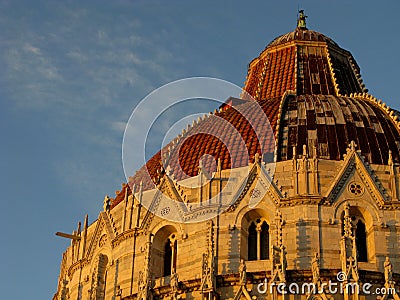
[118, 126]
[77, 56]
[28, 47]
[75, 61]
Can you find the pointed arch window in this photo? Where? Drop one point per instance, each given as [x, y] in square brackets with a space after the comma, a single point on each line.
[170, 254]
[359, 232]
[164, 251]
[99, 278]
[258, 240]
[361, 241]
[264, 241]
[252, 242]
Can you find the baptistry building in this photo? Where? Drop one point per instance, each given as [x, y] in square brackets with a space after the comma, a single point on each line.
[300, 202]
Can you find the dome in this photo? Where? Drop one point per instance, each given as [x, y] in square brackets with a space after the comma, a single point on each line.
[325, 202]
[312, 93]
[300, 34]
[306, 62]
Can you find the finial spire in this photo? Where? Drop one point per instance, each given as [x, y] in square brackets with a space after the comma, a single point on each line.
[301, 20]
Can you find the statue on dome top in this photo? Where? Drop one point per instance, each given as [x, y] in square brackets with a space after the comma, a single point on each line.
[301, 20]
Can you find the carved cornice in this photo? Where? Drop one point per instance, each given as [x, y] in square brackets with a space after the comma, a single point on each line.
[76, 266]
[301, 200]
[391, 206]
[122, 237]
[212, 210]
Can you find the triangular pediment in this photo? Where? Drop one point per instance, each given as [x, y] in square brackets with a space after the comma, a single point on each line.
[168, 200]
[270, 187]
[256, 185]
[356, 179]
[167, 186]
[153, 205]
[102, 236]
[253, 183]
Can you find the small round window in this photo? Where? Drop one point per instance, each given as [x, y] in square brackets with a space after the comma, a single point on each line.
[356, 188]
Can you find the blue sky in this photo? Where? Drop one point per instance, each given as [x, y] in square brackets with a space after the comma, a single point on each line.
[72, 71]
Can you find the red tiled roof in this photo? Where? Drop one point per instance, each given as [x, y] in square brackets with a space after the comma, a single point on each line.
[319, 72]
[306, 62]
[120, 195]
[217, 138]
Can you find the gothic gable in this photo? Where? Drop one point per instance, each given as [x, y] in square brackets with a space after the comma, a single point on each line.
[103, 235]
[256, 185]
[356, 179]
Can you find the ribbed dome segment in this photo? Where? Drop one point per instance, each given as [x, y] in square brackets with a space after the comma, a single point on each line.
[301, 34]
[329, 123]
[306, 62]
